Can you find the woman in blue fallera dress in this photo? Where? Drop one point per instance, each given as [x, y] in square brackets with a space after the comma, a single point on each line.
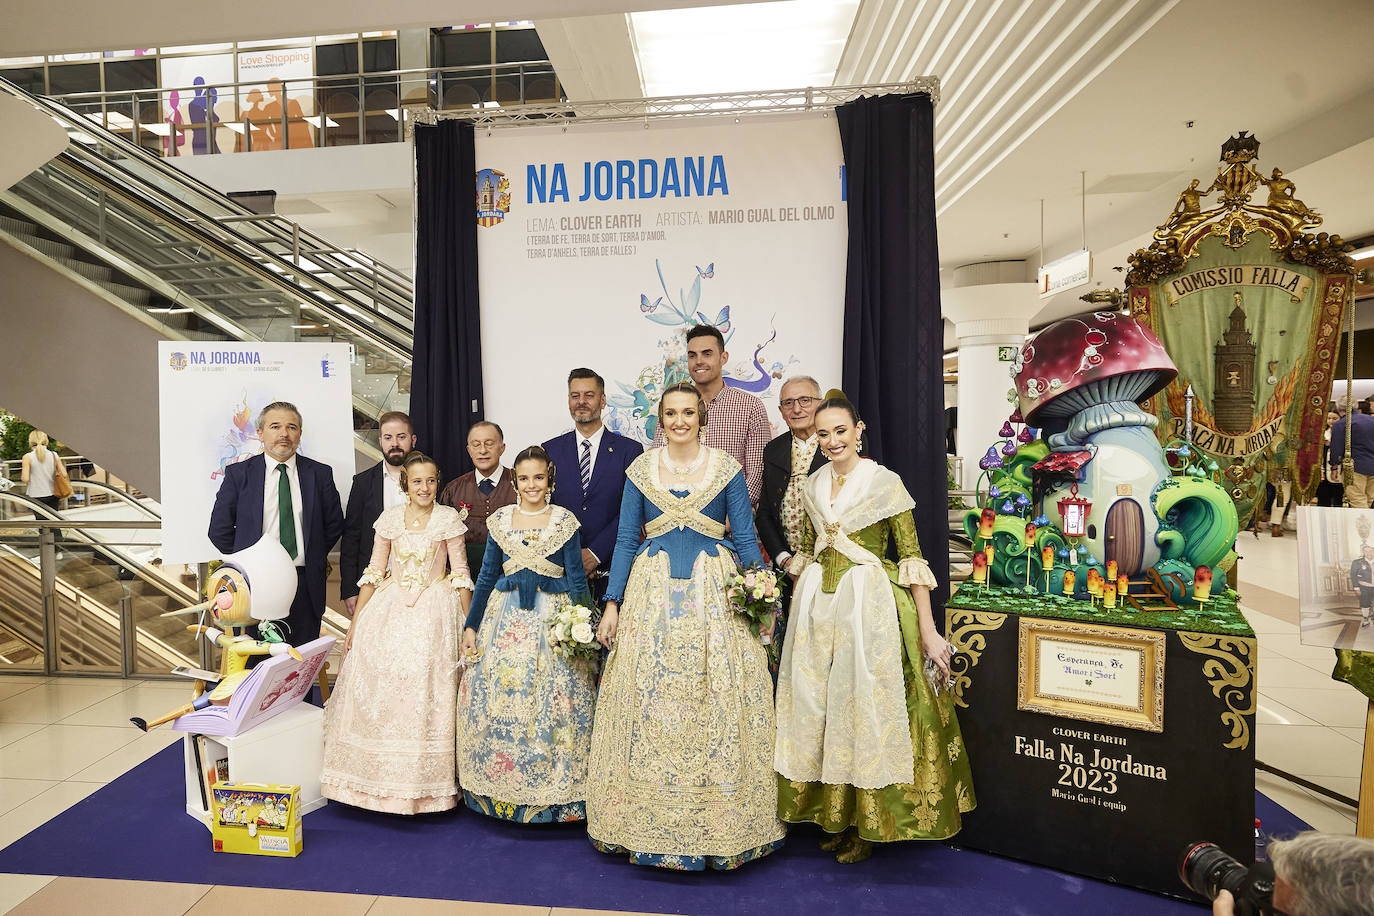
[681, 773]
[525, 713]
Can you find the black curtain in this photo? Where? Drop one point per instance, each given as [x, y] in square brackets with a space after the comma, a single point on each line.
[893, 332]
[446, 378]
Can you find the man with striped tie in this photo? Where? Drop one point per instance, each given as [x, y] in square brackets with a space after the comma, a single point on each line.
[591, 462]
[286, 494]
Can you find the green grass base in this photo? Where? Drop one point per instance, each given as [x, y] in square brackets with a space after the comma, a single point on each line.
[1219, 615]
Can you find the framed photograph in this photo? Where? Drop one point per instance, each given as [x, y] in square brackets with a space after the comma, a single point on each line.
[1093, 672]
[1336, 577]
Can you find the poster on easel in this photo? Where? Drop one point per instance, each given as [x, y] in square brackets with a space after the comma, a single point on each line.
[209, 397]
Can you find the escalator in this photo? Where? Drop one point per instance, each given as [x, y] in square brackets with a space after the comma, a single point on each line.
[105, 251]
[90, 597]
[104, 225]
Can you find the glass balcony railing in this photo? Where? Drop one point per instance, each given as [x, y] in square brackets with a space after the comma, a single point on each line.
[307, 112]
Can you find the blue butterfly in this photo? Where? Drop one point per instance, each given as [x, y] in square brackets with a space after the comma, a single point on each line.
[709, 272]
[646, 306]
[722, 322]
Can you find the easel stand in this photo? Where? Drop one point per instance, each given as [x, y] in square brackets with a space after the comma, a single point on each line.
[1364, 819]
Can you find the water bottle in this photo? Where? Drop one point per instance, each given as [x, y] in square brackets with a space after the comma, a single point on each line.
[1261, 843]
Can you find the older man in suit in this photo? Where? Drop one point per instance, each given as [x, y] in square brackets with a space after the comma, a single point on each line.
[287, 495]
[591, 462]
[787, 461]
[377, 488]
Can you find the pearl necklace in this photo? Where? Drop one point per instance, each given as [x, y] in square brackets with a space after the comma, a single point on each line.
[686, 470]
[536, 513]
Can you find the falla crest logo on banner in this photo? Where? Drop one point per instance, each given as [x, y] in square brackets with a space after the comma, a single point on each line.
[1249, 304]
[177, 361]
[493, 197]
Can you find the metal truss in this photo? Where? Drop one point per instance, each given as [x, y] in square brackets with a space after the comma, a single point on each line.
[728, 104]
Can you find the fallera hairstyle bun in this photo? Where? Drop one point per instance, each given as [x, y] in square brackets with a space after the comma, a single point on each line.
[414, 458]
[537, 453]
[839, 403]
[684, 388]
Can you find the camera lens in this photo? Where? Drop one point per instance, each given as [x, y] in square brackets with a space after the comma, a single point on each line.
[1207, 870]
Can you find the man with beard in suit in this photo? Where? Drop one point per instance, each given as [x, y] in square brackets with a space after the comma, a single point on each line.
[377, 488]
[591, 462]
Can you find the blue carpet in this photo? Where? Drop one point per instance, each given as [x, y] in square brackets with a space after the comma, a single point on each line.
[137, 828]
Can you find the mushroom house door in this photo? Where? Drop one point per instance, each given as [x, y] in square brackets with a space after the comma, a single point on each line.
[1125, 541]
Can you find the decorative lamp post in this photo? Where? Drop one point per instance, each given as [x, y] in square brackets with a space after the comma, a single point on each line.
[1069, 581]
[1094, 585]
[1047, 564]
[1123, 587]
[1030, 545]
[1074, 509]
[1109, 593]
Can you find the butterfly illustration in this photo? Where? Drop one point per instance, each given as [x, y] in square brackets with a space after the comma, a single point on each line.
[722, 322]
[709, 272]
[646, 306]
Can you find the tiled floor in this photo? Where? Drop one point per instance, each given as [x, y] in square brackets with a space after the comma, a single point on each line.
[63, 738]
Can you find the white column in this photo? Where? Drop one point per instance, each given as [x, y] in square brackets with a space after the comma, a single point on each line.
[986, 318]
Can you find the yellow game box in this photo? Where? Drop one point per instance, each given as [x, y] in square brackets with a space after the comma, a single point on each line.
[259, 820]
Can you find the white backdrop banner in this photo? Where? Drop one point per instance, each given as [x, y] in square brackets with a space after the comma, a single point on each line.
[601, 244]
[209, 397]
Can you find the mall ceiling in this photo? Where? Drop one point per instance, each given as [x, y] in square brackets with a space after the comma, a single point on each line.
[84, 25]
[1040, 98]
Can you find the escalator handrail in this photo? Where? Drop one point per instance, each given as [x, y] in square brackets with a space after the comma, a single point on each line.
[59, 110]
[253, 257]
[138, 568]
[116, 491]
[399, 342]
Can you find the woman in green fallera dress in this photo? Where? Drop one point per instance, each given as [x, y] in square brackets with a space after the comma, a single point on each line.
[867, 747]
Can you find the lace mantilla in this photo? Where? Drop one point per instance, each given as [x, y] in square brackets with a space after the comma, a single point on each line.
[562, 526]
[444, 523]
[683, 511]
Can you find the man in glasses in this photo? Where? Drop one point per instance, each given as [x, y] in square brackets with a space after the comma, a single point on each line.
[787, 461]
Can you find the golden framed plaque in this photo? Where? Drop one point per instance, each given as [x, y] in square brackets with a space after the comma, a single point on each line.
[1093, 672]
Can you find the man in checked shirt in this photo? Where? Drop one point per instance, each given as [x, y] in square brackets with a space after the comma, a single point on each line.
[737, 421]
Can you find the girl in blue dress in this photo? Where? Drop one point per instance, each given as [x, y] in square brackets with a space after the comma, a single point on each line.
[682, 750]
[524, 713]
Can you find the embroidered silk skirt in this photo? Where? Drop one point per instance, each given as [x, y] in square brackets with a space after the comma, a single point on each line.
[928, 805]
[682, 750]
[389, 725]
[524, 718]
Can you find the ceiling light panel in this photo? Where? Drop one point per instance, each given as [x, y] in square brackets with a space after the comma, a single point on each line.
[741, 48]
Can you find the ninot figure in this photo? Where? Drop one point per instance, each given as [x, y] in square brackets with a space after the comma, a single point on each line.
[253, 586]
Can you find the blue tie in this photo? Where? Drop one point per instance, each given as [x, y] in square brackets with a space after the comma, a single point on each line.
[486, 486]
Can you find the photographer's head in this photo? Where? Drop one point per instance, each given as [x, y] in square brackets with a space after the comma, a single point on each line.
[1323, 874]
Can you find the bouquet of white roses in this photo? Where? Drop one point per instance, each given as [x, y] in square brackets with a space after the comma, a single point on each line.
[572, 634]
[755, 594]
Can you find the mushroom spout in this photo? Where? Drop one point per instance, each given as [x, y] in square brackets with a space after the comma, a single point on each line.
[1098, 417]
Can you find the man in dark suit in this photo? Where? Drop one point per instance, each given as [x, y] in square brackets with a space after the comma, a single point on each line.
[291, 497]
[377, 488]
[591, 462]
[787, 461]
